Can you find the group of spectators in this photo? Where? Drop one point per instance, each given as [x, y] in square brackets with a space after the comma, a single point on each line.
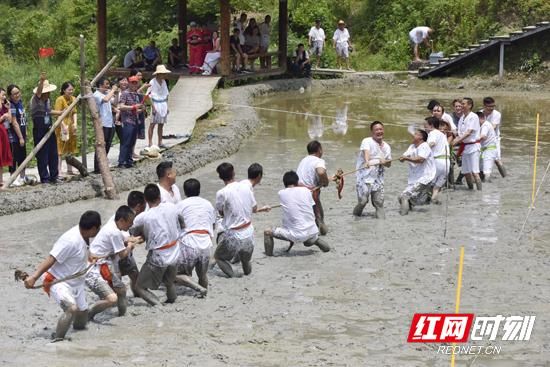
[123, 106]
[341, 41]
[250, 41]
[13, 130]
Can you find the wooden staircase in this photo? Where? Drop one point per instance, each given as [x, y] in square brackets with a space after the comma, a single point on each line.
[474, 50]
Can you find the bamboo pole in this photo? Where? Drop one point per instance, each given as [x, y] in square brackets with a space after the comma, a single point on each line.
[535, 163]
[458, 289]
[84, 132]
[65, 113]
[103, 162]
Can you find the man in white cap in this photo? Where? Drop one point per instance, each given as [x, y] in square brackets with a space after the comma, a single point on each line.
[158, 92]
[419, 35]
[342, 43]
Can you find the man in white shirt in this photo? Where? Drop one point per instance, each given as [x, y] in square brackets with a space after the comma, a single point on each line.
[374, 156]
[169, 191]
[316, 42]
[494, 117]
[298, 217]
[68, 257]
[160, 226]
[488, 143]
[440, 148]
[265, 39]
[104, 278]
[312, 172]
[196, 238]
[421, 172]
[468, 139]
[342, 44]
[420, 35]
[103, 97]
[235, 203]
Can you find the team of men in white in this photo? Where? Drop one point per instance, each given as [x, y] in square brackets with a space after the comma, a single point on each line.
[179, 234]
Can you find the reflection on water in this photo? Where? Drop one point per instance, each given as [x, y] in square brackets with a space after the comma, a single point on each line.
[346, 114]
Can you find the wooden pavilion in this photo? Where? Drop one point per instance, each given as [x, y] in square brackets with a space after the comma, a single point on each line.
[225, 32]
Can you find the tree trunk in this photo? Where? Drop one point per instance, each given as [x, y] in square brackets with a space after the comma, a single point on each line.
[103, 162]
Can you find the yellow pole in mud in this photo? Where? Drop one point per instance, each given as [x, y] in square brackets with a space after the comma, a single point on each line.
[458, 288]
[535, 163]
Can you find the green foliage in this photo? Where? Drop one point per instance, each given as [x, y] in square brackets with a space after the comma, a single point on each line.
[531, 63]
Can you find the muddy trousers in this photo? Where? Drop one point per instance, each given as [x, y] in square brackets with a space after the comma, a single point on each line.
[319, 213]
[364, 192]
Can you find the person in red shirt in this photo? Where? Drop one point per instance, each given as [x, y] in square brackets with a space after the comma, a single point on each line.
[206, 42]
[194, 40]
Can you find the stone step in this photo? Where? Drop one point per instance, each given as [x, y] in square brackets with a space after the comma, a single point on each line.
[529, 28]
[454, 55]
[443, 60]
[539, 24]
[500, 37]
[474, 45]
[484, 41]
[516, 33]
[463, 50]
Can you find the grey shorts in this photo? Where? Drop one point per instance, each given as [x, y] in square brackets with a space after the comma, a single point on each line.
[128, 265]
[230, 245]
[192, 258]
[151, 276]
[97, 284]
[317, 48]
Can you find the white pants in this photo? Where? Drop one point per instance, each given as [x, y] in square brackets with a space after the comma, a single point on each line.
[342, 49]
[488, 158]
[210, 61]
[66, 295]
[470, 162]
[441, 172]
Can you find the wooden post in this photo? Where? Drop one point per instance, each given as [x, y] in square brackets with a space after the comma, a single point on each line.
[101, 20]
[225, 34]
[283, 33]
[182, 27]
[103, 162]
[501, 61]
[61, 117]
[84, 133]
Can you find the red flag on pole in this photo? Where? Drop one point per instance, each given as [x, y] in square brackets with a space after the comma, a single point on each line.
[46, 52]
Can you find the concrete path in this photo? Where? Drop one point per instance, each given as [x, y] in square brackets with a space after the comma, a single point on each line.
[189, 99]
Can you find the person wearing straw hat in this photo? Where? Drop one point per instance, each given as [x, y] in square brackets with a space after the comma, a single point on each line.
[158, 92]
[342, 44]
[41, 112]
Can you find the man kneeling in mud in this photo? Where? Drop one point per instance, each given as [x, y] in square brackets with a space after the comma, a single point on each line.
[69, 256]
[298, 217]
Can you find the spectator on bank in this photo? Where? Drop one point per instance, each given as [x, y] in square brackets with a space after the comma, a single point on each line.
[213, 56]
[142, 116]
[252, 43]
[175, 54]
[103, 98]
[158, 93]
[301, 65]
[342, 44]
[42, 115]
[241, 58]
[6, 158]
[66, 131]
[241, 25]
[194, 40]
[17, 132]
[317, 39]
[418, 36]
[265, 35]
[130, 107]
[134, 58]
[122, 86]
[152, 56]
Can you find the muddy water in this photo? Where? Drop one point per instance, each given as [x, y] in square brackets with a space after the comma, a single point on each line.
[350, 307]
